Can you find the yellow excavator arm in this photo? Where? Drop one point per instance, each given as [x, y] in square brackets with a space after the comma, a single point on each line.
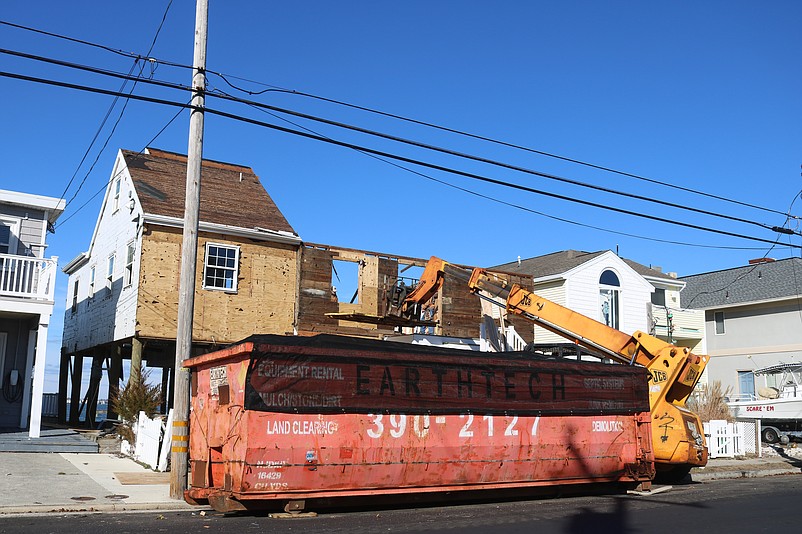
[678, 437]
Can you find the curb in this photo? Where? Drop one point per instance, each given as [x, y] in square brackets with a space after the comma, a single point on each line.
[46, 509]
[703, 476]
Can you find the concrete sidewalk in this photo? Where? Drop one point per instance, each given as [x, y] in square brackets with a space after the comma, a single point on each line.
[768, 465]
[72, 482]
[98, 482]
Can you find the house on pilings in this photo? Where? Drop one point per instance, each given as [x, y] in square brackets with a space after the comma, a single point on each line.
[254, 276]
[122, 301]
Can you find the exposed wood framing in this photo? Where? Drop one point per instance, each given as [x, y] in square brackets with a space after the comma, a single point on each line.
[455, 310]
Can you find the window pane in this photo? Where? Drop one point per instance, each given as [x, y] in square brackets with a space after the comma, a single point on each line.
[609, 278]
[719, 319]
[659, 297]
[5, 238]
[220, 269]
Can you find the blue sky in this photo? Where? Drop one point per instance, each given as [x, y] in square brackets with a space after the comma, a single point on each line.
[703, 95]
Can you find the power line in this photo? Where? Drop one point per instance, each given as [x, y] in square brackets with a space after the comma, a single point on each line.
[61, 221]
[272, 88]
[426, 146]
[500, 164]
[91, 144]
[394, 157]
[512, 205]
[108, 114]
[95, 70]
[119, 52]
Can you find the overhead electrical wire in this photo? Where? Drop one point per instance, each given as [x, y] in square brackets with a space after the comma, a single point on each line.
[123, 53]
[518, 206]
[755, 266]
[392, 156]
[276, 89]
[273, 88]
[108, 114]
[498, 163]
[63, 220]
[220, 94]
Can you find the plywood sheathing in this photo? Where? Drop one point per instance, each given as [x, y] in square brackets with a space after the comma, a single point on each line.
[264, 301]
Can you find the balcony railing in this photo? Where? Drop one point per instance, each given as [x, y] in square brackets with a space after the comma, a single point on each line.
[678, 323]
[27, 277]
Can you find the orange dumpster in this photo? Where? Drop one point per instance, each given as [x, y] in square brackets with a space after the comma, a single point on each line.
[280, 420]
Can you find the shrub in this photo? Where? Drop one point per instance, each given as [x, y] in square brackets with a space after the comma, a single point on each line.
[709, 402]
[136, 396]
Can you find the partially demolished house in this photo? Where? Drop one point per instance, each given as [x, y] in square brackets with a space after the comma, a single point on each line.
[254, 276]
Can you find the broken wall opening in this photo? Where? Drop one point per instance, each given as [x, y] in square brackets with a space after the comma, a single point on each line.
[345, 281]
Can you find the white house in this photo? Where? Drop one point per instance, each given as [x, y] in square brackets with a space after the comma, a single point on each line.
[621, 293]
[753, 318]
[27, 286]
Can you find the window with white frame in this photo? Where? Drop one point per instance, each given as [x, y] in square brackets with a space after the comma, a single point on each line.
[110, 271]
[220, 267]
[92, 282]
[129, 264]
[116, 202]
[609, 288]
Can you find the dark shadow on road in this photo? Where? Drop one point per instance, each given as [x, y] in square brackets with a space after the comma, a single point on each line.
[587, 520]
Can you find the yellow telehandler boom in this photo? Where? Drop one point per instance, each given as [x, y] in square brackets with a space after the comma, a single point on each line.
[677, 434]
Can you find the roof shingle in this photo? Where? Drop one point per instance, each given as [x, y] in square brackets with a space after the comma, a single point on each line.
[231, 195]
[740, 285]
[565, 260]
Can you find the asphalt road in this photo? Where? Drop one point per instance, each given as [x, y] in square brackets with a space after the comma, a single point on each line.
[768, 504]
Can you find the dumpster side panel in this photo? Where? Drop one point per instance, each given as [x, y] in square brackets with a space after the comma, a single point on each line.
[301, 453]
[285, 423]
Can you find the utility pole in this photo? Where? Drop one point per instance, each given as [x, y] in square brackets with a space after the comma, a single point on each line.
[189, 252]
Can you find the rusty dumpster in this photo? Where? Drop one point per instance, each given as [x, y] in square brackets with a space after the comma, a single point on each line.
[280, 420]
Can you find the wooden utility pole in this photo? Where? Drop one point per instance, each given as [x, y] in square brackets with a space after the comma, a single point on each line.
[189, 252]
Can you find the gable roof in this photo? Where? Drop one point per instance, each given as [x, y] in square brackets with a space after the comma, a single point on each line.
[565, 260]
[762, 281]
[231, 195]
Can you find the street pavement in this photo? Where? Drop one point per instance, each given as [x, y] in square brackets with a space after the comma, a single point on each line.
[105, 482]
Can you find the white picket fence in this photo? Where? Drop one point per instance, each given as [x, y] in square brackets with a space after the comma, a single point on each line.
[728, 440]
[153, 441]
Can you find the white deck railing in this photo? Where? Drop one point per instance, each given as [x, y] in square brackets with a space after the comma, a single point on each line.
[27, 277]
[685, 323]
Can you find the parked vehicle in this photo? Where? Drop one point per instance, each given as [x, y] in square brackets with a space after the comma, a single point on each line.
[779, 408]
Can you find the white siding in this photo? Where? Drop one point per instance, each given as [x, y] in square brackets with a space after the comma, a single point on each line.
[555, 292]
[110, 314]
[30, 230]
[582, 292]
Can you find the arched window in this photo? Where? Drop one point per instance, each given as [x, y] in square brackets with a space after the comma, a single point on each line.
[609, 287]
